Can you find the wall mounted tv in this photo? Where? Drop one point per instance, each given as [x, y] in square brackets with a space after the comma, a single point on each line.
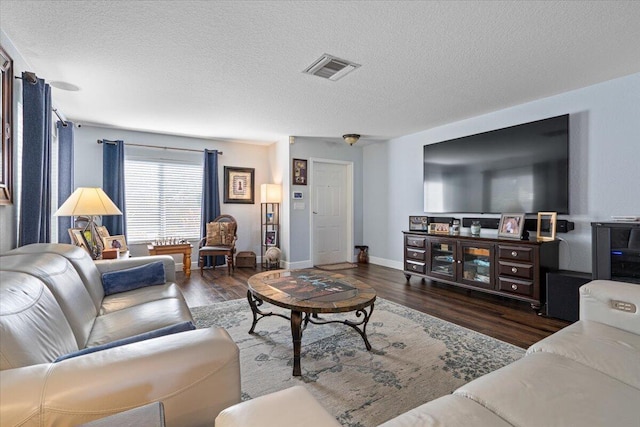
[523, 168]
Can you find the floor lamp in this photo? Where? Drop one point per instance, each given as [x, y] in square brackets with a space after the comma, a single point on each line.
[90, 202]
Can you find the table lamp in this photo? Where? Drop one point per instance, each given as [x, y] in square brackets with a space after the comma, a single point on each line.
[90, 202]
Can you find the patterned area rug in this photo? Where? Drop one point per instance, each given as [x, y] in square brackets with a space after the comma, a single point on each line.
[415, 358]
[338, 266]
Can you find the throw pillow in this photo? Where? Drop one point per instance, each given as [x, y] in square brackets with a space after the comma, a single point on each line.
[228, 231]
[129, 279]
[214, 238]
[167, 330]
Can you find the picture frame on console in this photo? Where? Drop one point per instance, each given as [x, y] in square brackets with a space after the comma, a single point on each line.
[78, 238]
[418, 223]
[546, 228]
[116, 242]
[511, 226]
[439, 228]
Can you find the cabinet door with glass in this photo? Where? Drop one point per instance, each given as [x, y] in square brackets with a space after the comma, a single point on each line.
[442, 260]
[475, 264]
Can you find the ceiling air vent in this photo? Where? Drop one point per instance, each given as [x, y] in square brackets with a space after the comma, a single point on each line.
[330, 67]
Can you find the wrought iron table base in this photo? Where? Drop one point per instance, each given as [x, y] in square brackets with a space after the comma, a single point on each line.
[299, 322]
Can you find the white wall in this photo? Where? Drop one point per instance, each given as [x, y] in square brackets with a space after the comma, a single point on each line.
[604, 167]
[88, 172]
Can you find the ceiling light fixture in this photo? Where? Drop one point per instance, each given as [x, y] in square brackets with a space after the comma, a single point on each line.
[351, 138]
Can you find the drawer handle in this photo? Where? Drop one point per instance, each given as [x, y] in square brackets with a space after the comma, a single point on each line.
[514, 270]
[514, 287]
[414, 267]
[514, 253]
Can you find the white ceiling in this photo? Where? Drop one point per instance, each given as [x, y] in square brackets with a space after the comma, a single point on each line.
[233, 69]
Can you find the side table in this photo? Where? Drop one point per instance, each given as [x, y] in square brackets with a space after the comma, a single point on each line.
[180, 248]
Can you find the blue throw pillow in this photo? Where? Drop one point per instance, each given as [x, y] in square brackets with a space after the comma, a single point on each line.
[129, 279]
[167, 330]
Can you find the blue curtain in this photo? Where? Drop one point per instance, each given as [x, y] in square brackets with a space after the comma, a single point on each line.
[65, 176]
[113, 185]
[210, 197]
[35, 193]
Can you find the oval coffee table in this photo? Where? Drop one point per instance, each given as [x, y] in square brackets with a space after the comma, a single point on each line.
[311, 292]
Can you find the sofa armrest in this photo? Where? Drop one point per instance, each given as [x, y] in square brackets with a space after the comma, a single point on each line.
[107, 265]
[604, 301]
[195, 375]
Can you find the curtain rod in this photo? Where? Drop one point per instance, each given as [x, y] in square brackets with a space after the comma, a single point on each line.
[100, 141]
[33, 79]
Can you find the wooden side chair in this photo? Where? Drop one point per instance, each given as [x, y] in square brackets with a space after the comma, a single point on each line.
[220, 240]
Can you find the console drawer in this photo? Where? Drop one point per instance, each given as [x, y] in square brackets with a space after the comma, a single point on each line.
[419, 254]
[524, 271]
[416, 241]
[520, 287]
[516, 253]
[417, 267]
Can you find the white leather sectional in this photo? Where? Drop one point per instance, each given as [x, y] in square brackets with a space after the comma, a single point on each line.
[52, 303]
[587, 374]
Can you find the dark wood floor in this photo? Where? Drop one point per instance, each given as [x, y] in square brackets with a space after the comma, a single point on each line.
[508, 320]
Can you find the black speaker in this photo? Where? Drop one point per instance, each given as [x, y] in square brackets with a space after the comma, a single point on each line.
[563, 298]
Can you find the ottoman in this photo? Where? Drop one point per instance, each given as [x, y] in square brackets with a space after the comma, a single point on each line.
[293, 406]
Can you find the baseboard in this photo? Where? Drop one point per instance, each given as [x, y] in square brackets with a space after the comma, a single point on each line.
[398, 265]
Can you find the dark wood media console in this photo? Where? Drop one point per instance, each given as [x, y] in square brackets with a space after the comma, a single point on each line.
[511, 268]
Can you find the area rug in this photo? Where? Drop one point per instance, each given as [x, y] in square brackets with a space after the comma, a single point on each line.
[415, 358]
[338, 266]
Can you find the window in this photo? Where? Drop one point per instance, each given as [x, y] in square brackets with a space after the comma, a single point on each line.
[163, 198]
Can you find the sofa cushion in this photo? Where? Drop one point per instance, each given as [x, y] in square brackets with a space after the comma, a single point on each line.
[33, 328]
[133, 278]
[59, 275]
[137, 320]
[139, 296]
[450, 410]
[611, 351]
[168, 330]
[545, 389]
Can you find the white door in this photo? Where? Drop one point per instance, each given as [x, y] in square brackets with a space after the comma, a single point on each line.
[331, 212]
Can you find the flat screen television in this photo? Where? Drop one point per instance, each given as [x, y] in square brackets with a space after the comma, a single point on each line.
[522, 168]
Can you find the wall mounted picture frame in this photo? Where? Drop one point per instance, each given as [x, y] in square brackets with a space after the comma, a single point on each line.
[78, 239]
[439, 228]
[270, 238]
[299, 170]
[239, 185]
[116, 242]
[511, 226]
[6, 122]
[546, 228]
[418, 223]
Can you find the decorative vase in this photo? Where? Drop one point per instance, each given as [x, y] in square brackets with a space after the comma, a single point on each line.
[475, 228]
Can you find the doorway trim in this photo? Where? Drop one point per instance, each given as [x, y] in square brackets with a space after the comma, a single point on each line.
[349, 203]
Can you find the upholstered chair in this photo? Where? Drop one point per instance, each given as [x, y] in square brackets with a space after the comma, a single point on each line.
[220, 240]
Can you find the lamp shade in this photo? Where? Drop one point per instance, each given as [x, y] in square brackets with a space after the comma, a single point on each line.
[88, 201]
[270, 193]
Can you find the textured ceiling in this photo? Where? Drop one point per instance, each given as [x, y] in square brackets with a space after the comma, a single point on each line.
[233, 69]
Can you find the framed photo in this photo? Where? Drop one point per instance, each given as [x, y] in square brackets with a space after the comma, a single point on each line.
[418, 223]
[270, 238]
[299, 172]
[116, 242]
[297, 195]
[269, 217]
[439, 228]
[239, 185]
[511, 225]
[78, 239]
[546, 229]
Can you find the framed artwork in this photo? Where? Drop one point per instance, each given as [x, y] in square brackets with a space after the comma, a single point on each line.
[239, 185]
[418, 223]
[6, 121]
[299, 172]
[270, 238]
[439, 228]
[511, 225]
[115, 242]
[78, 239]
[546, 229]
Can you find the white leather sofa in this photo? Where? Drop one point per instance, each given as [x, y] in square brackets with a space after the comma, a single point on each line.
[52, 303]
[587, 374]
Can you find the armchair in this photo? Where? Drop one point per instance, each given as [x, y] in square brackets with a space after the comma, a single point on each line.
[220, 240]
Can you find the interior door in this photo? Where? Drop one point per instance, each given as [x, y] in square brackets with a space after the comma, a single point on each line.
[331, 213]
